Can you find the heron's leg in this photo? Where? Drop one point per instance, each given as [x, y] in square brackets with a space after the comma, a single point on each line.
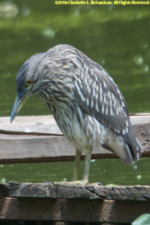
[87, 165]
[85, 179]
[76, 165]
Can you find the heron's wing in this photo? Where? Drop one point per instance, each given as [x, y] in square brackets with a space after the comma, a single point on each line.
[100, 97]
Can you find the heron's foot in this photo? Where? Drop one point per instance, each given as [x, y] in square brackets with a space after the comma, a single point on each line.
[76, 182]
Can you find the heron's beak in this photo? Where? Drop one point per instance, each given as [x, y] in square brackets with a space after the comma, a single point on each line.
[19, 102]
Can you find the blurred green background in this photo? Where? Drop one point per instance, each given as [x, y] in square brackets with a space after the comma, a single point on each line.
[117, 37]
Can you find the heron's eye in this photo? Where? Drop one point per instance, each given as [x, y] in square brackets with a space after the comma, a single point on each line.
[29, 82]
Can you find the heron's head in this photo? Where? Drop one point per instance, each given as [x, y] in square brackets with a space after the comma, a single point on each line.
[44, 75]
[28, 82]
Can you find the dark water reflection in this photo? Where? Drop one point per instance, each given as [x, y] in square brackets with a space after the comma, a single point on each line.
[117, 37]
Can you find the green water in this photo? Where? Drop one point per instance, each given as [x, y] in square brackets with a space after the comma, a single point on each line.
[117, 37]
[104, 171]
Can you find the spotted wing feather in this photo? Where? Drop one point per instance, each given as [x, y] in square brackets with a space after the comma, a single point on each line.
[97, 94]
[100, 97]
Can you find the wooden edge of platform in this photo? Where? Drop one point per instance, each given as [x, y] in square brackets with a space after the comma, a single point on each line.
[68, 191]
[107, 211]
[89, 203]
[47, 124]
[38, 139]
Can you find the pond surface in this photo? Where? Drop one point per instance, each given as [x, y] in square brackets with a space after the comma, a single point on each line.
[117, 37]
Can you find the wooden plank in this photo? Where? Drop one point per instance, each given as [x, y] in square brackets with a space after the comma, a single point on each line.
[73, 203]
[68, 191]
[47, 124]
[38, 139]
[30, 125]
[27, 148]
[109, 211]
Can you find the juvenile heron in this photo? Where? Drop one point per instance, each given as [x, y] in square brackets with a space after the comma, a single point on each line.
[85, 101]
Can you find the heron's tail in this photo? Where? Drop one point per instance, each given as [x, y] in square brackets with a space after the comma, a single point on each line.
[134, 145]
[128, 148]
